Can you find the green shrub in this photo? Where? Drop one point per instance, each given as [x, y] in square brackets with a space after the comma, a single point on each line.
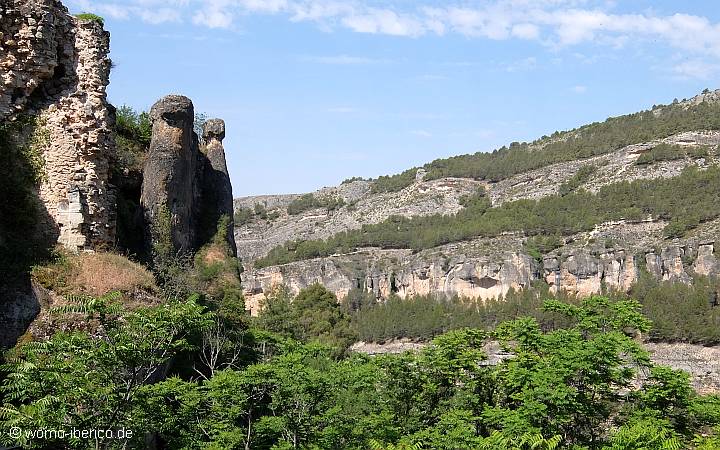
[577, 180]
[307, 202]
[91, 18]
[352, 180]
[243, 216]
[394, 183]
[668, 152]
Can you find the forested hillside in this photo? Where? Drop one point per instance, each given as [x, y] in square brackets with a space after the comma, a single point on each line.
[584, 142]
[582, 210]
[683, 201]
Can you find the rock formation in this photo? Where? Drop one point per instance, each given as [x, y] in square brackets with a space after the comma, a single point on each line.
[56, 68]
[217, 188]
[184, 189]
[169, 189]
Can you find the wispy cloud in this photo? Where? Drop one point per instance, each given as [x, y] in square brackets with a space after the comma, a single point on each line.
[522, 65]
[579, 89]
[696, 69]
[555, 23]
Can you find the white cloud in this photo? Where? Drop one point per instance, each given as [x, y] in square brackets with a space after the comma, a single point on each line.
[160, 15]
[696, 69]
[556, 23]
[579, 89]
[384, 21]
[526, 31]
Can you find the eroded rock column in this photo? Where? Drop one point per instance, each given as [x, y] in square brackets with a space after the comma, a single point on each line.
[217, 189]
[169, 190]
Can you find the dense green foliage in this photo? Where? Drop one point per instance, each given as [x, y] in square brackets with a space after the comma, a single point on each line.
[424, 317]
[679, 312]
[570, 388]
[394, 183]
[584, 142]
[667, 152]
[307, 202]
[314, 314]
[685, 200]
[133, 131]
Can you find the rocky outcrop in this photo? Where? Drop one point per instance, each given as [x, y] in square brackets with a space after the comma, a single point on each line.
[217, 188]
[170, 189]
[184, 191]
[37, 51]
[489, 268]
[56, 68]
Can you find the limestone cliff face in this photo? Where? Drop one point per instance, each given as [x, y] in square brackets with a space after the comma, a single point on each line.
[577, 271]
[56, 67]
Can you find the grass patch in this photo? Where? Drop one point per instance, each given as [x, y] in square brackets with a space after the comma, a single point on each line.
[94, 274]
[90, 18]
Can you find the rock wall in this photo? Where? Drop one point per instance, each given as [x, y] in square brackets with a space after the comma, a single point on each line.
[452, 270]
[56, 67]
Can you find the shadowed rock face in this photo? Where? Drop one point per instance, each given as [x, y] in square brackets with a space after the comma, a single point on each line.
[171, 168]
[54, 70]
[217, 189]
[181, 184]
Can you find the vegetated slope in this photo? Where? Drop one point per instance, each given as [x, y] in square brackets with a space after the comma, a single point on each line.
[684, 201]
[428, 210]
[700, 113]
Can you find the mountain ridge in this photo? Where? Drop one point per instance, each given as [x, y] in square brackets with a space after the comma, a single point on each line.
[363, 206]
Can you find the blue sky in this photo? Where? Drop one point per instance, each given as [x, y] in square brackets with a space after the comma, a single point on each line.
[316, 91]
